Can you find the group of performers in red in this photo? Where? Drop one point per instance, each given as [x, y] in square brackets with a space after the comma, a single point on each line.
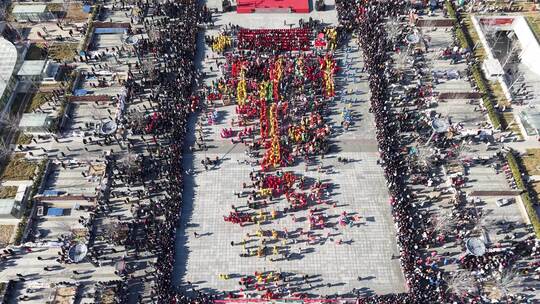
[297, 39]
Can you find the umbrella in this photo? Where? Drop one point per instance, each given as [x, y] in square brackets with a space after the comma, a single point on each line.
[77, 252]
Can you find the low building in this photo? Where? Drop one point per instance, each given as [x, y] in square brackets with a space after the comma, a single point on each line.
[32, 13]
[37, 71]
[512, 52]
[36, 123]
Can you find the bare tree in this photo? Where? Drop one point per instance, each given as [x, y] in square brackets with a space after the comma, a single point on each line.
[461, 151]
[154, 34]
[483, 223]
[96, 113]
[66, 227]
[5, 151]
[137, 118]
[130, 162]
[508, 281]
[401, 62]
[443, 222]
[394, 27]
[148, 68]
[461, 154]
[110, 227]
[424, 157]
[115, 231]
[10, 122]
[461, 282]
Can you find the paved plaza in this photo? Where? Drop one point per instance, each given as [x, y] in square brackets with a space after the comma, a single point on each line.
[357, 188]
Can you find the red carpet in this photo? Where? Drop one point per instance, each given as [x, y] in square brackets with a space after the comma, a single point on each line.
[268, 6]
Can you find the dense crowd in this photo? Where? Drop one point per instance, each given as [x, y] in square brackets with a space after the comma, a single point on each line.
[171, 47]
[373, 40]
[285, 39]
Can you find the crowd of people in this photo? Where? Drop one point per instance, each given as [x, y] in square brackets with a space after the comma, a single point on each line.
[171, 47]
[298, 39]
[375, 44]
[281, 100]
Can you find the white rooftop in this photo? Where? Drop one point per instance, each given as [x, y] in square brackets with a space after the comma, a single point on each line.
[32, 68]
[29, 120]
[493, 66]
[8, 59]
[29, 9]
[6, 205]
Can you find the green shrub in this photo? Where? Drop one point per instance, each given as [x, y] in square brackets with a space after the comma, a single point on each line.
[20, 230]
[492, 112]
[516, 173]
[531, 212]
[24, 139]
[534, 24]
[89, 31]
[451, 10]
[30, 201]
[525, 197]
[481, 83]
[460, 36]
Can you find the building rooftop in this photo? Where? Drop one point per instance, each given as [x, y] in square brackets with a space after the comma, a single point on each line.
[36, 120]
[516, 50]
[29, 9]
[32, 68]
[6, 206]
[8, 59]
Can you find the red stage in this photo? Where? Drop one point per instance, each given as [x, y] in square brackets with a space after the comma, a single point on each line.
[272, 6]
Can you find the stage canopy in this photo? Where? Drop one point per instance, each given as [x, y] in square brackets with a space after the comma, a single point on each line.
[272, 6]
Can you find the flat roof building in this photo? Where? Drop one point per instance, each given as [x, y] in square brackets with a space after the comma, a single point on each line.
[34, 13]
[38, 70]
[32, 68]
[512, 52]
[8, 61]
[36, 123]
